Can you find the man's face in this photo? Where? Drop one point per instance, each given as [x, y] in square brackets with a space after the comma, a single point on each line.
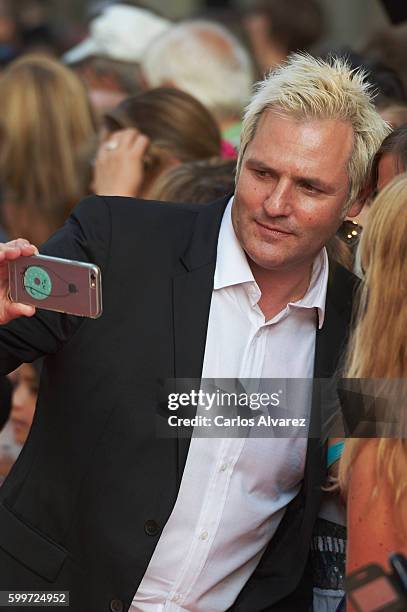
[291, 190]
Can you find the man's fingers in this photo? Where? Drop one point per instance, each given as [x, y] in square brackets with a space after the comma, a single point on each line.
[15, 310]
[36, 251]
[11, 251]
[17, 242]
[8, 252]
[11, 310]
[16, 248]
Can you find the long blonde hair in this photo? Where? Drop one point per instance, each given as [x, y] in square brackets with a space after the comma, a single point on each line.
[378, 347]
[46, 126]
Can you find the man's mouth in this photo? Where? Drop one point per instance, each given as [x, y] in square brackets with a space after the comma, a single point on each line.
[273, 230]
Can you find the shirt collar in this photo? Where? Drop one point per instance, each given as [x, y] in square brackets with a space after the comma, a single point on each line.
[316, 294]
[232, 268]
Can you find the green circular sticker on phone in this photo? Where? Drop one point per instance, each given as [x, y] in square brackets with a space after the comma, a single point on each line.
[37, 283]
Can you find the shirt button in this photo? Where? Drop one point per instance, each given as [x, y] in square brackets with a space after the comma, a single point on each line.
[223, 467]
[176, 597]
[116, 605]
[151, 527]
[204, 535]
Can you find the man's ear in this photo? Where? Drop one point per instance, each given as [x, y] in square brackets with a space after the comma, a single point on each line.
[355, 209]
[358, 204]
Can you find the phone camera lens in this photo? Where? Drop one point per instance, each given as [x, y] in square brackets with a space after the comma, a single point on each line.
[93, 280]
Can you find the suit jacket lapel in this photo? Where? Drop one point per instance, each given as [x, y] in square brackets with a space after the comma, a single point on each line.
[192, 293]
[329, 348]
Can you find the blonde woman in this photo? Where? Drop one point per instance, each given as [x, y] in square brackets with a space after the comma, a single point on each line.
[47, 128]
[373, 472]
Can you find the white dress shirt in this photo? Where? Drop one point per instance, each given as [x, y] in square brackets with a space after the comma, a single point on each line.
[234, 491]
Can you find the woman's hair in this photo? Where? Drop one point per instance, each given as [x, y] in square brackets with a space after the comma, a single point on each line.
[47, 126]
[382, 314]
[378, 347]
[396, 144]
[174, 121]
[197, 182]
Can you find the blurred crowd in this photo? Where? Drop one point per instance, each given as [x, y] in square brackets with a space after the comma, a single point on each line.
[173, 95]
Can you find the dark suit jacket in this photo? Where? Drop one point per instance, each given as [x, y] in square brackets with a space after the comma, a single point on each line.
[83, 507]
[5, 401]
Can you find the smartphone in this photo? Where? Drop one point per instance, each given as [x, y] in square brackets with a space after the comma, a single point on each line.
[370, 589]
[398, 563]
[52, 283]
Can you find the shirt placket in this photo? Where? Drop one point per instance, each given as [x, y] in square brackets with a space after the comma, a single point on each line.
[207, 525]
[254, 351]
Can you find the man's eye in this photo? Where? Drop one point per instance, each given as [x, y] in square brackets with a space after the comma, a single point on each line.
[310, 188]
[261, 173]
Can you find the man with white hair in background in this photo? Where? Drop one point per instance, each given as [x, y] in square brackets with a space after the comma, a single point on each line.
[207, 61]
[99, 503]
[108, 60]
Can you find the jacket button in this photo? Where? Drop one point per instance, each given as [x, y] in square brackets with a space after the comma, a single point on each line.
[151, 528]
[116, 605]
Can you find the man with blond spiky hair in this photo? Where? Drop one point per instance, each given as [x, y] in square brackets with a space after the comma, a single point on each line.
[99, 504]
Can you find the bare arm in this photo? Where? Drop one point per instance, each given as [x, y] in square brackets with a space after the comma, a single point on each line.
[372, 532]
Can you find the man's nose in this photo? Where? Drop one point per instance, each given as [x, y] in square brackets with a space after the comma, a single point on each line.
[279, 200]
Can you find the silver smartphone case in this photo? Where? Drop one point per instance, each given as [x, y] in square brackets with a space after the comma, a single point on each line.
[57, 284]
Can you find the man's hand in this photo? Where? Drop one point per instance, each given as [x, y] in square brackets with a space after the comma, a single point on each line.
[13, 250]
[119, 166]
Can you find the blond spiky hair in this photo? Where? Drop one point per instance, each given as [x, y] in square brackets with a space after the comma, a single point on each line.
[308, 88]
